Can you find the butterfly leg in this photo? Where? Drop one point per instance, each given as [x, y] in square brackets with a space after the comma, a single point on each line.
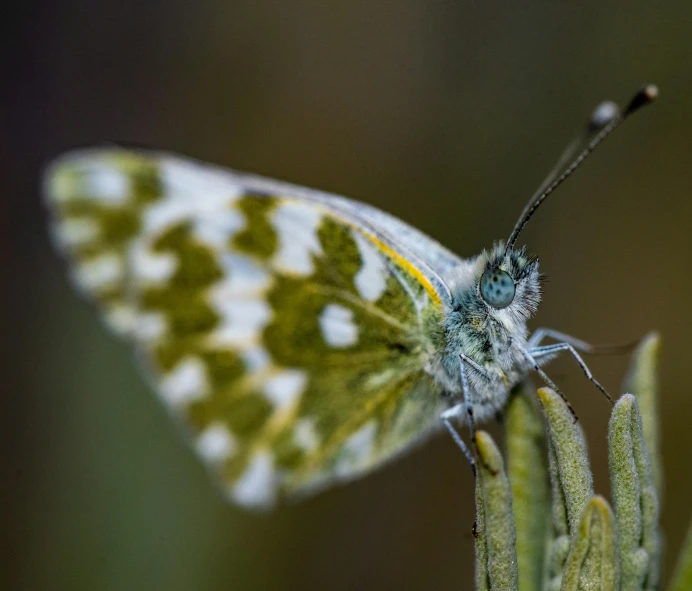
[458, 409]
[463, 360]
[538, 352]
[539, 370]
[542, 333]
[447, 416]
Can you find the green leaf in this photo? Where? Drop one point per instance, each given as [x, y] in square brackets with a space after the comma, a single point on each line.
[634, 497]
[570, 476]
[558, 543]
[527, 468]
[496, 516]
[642, 381]
[592, 560]
[482, 579]
[571, 467]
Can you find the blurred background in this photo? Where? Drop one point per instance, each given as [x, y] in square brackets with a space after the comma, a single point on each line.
[446, 113]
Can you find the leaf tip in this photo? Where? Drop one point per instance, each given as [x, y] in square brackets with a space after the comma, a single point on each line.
[488, 453]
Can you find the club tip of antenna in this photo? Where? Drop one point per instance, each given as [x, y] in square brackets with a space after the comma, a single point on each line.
[651, 91]
[603, 114]
[646, 95]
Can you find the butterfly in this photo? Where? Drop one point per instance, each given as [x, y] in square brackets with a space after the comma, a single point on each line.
[300, 338]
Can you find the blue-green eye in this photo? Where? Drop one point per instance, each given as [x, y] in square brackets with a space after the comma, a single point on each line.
[497, 288]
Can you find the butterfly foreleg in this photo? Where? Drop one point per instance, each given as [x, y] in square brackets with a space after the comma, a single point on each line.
[547, 350]
[526, 353]
[542, 333]
[464, 407]
[447, 416]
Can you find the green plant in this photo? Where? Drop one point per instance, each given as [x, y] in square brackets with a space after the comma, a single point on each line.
[539, 523]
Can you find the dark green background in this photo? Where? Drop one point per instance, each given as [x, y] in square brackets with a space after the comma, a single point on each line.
[446, 113]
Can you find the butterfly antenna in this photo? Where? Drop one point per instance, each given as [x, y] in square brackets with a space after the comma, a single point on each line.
[604, 120]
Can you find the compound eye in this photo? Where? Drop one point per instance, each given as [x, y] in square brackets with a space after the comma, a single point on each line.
[497, 288]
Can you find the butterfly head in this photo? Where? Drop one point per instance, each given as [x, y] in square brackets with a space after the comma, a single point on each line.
[507, 284]
[501, 288]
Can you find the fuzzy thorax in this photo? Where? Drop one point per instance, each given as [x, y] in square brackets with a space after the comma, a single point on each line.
[489, 336]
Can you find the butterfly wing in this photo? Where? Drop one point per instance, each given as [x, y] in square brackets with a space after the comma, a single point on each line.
[434, 260]
[289, 334]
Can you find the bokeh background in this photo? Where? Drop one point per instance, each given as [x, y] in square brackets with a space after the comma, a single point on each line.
[445, 112]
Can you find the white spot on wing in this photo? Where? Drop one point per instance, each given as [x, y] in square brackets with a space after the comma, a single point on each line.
[152, 266]
[216, 443]
[371, 279]
[220, 229]
[244, 277]
[75, 232]
[207, 188]
[104, 183]
[257, 485]
[241, 320]
[296, 225]
[357, 450]
[284, 388]
[255, 357]
[149, 327]
[165, 213]
[100, 272]
[336, 324]
[306, 435]
[193, 192]
[120, 318]
[187, 382]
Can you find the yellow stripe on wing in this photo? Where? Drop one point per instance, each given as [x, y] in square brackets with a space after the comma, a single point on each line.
[410, 269]
[370, 233]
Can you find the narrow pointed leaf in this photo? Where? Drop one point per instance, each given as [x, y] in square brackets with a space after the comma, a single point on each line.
[592, 560]
[528, 474]
[559, 540]
[500, 533]
[642, 381]
[634, 497]
[571, 461]
[651, 539]
[481, 543]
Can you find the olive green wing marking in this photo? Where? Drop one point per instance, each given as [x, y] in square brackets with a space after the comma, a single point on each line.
[290, 340]
[103, 201]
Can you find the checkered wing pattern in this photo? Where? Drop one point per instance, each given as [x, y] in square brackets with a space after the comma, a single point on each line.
[287, 329]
